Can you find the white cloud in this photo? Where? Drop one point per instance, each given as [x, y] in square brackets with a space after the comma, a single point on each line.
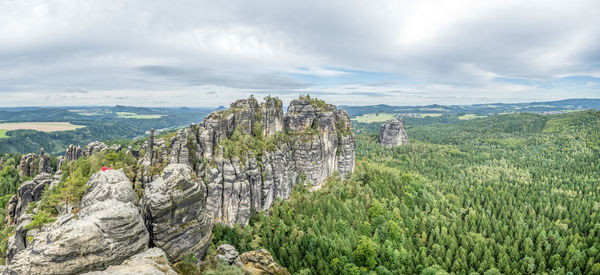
[438, 49]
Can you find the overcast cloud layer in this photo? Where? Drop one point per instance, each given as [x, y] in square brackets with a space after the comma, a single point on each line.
[207, 53]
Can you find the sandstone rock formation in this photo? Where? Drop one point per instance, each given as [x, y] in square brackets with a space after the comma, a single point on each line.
[174, 209]
[392, 133]
[236, 162]
[227, 253]
[95, 147]
[29, 191]
[108, 230]
[259, 262]
[150, 262]
[27, 166]
[251, 154]
[73, 153]
[44, 166]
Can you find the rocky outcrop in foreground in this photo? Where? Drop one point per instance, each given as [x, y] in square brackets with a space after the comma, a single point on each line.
[150, 262]
[392, 133]
[107, 230]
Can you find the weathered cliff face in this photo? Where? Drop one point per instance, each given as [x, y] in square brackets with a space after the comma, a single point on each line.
[29, 191]
[73, 153]
[44, 166]
[250, 154]
[173, 207]
[392, 133]
[28, 166]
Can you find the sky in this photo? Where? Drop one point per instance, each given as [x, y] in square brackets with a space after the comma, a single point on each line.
[209, 53]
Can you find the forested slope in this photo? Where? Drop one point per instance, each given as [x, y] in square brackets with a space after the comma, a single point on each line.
[512, 194]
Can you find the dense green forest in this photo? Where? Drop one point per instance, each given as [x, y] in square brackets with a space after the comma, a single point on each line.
[510, 194]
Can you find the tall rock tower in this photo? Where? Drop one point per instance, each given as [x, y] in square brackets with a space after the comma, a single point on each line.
[392, 133]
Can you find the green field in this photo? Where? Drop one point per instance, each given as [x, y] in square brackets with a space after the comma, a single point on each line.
[137, 116]
[430, 115]
[3, 133]
[374, 117]
[470, 116]
[39, 126]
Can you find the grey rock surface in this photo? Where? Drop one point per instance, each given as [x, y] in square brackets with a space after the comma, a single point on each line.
[392, 133]
[95, 147]
[259, 262]
[174, 210]
[312, 141]
[44, 165]
[29, 191]
[73, 153]
[107, 230]
[227, 253]
[150, 262]
[28, 166]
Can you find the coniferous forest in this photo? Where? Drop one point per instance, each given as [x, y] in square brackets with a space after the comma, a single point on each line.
[509, 194]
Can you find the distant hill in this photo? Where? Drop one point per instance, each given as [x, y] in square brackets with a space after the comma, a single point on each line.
[480, 109]
[102, 123]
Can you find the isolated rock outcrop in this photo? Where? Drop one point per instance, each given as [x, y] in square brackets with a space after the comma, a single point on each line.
[150, 262]
[392, 133]
[174, 209]
[107, 230]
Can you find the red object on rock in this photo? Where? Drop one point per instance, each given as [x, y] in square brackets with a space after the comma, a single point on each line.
[103, 168]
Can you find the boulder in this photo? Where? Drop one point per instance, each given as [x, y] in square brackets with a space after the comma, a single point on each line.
[150, 262]
[227, 253]
[107, 230]
[174, 209]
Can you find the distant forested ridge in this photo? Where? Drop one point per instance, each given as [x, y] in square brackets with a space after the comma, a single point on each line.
[102, 123]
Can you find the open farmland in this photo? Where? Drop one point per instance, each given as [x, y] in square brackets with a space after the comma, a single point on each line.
[470, 116]
[374, 117]
[39, 126]
[137, 116]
